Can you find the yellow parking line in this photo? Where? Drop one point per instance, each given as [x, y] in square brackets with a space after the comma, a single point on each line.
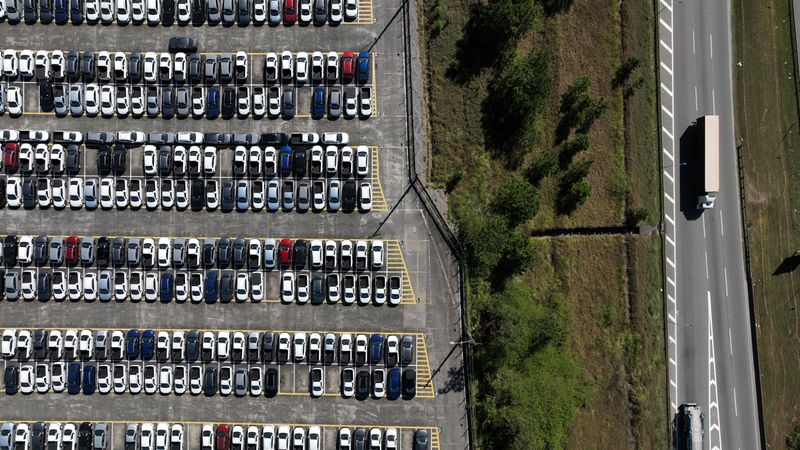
[406, 279]
[434, 438]
[215, 330]
[378, 197]
[425, 385]
[189, 422]
[374, 87]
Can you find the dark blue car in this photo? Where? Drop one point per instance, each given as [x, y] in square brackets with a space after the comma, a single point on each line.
[165, 293]
[394, 384]
[148, 344]
[62, 11]
[133, 344]
[376, 348]
[362, 67]
[11, 380]
[211, 286]
[212, 110]
[74, 378]
[89, 379]
[318, 103]
[286, 161]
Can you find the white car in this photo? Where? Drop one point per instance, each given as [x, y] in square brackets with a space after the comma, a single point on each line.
[207, 437]
[14, 101]
[223, 345]
[150, 156]
[302, 67]
[123, 11]
[10, 63]
[164, 65]
[104, 66]
[180, 66]
[184, 11]
[362, 160]
[14, 192]
[332, 66]
[26, 68]
[9, 343]
[167, 193]
[299, 345]
[259, 11]
[120, 66]
[336, 138]
[137, 10]
[165, 380]
[153, 12]
[241, 65]
[107, 100]
[210, 160]
[150, 67]
[92, 100]
[164, 252]
[107, 193]
[335, 11]
[287, 70]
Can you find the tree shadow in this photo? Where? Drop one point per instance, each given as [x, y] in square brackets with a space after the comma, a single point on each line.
[482, 43]
[504, 134]
[789, 264]
[455, 381]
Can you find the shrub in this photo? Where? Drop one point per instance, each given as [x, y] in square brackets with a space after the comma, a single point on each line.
[517, 200]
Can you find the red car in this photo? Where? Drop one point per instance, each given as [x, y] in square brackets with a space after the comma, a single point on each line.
[11, 156]
[289, 11]
[348, 65]
[73, 249]
[285, 252]
[223, 437]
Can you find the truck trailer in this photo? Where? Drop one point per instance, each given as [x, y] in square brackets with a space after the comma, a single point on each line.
[709, 159]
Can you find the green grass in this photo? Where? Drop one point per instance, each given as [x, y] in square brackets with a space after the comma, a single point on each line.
[767, 127]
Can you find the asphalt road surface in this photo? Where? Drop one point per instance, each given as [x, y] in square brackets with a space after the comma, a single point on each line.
[710, 341]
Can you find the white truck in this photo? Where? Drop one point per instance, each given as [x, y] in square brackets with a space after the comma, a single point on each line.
[708, 132]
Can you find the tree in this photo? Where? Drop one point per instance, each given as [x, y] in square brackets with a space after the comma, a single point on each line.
[581, 109]
[625, 70]
[484, 237]
[544, 165]
[516, 99]
[517, 200]
[578, 143]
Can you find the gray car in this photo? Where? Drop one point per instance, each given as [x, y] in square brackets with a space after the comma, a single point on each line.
[87, 251]
[226, 66]
[320, 11]
[183, 102]
[210, 66]
[228, 12]
[240, 382]
[118, 251]
[242, 196]
[60, 100]
[134, 251]
[178, 252]
[105, 286]
[100, 439]
[303, 197]
[153, 108]
[57, 250]
[76, 99]
[90, 193]
[335, 102]
[12, 285]
[214, 15]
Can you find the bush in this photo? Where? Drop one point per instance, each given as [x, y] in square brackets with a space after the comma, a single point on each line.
[578, 143]
[483, 236]
[516, 99]
[579, 108]
[517, 200]
[543, 166]
[635, 216]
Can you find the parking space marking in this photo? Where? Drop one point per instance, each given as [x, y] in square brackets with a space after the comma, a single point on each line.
[434, 439]
[379, 203]
[425, 387]
[365, 13]
[397, 262]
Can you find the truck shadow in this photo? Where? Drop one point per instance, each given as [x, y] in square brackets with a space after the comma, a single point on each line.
[689, 174]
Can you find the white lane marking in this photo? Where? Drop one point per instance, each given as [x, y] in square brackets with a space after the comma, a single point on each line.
[725, 269]
[706, 265]
[671, 281]
[669, 261]
[664, 23]
[715, 428]
[664, 108]
[735, 403]
[665, 67]
[669, 134]
[666, 47]
[669, 239]
[669, 177]
[721, 227]
[668, 155]
[730, 340]
[704, 226]
[696, 104]
[711, 45]
[669, 219]
[666, 5]
[713, 101]
[671, 200]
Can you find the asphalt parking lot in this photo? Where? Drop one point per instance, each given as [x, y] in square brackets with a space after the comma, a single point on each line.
[429, 304]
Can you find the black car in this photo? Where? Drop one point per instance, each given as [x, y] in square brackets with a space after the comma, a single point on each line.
[421, 440]
[119, 159]
[198, 11]
[224, 255]
[161, 138]
[239, 253]
[349, 200]
[30, 11]
[271, 383]
[85, 436]
[244, 12]
[195, 68]
[28, 194]
[210, 68]
[167, 102]
[363, 384]
[87, 66]
[228, 102]
[217, 139]
[118, 251]
[73, 65]
[46, 95]
[360, 439]
[198, 194]
[73, 160]
[300, 255]
[135, 67]
[99, 138]
[40, 245]
[102, 251]
[227, 196]
[43, 284]
[192, 346]
[46, 11]
[210, 382]
[11, 379]
[37, 436]
[168, 12]
[182, 44]
[226, 287]
[288, 102]
[164, 160]
[104, 160]
[10, 250]
[300, 164]
[273, 139]
[40, 344]
[317, 289]
[409, 383]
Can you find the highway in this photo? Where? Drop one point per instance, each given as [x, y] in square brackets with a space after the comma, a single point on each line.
[710, 346]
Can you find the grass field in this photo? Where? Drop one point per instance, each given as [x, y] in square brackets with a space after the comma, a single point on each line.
[612, 283]
[768, 133]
